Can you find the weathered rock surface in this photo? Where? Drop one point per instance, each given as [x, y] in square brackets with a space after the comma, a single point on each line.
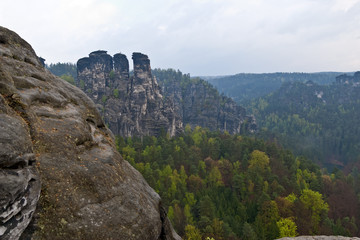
[88, 191]
[131, 106]
[19, 179]
[320, 238]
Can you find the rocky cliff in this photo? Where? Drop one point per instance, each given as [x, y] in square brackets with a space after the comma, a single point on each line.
[200, 104]
[50, 131]
[131, 106]
[136, 105]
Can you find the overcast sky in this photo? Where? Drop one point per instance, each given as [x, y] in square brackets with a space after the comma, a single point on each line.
[200, 37]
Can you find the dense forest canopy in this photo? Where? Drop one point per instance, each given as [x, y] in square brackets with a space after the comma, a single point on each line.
[319, 121]
[236, 187]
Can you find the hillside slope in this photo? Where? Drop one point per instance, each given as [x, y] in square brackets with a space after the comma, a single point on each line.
[318, 121]
[244, 87]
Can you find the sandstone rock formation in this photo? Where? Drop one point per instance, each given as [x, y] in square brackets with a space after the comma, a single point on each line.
[131, 106]
[87, 190]
[136, 105]
[19, 179]
[200, 104]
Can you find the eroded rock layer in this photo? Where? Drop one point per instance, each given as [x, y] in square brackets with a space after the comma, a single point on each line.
[88, 191]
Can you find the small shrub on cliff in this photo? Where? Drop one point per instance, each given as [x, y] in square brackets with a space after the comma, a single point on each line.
[111, 74]
[103, 99]
[116, 93]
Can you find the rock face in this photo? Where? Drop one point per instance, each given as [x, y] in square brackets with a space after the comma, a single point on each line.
[19, 179]
[131, 106]
[87, 190]
[200, 104]
[136, 105]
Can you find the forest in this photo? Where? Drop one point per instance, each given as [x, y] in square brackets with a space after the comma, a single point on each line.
[66, 71]
[297, 175]
[244, 87]
[318, 121]
[224, 186]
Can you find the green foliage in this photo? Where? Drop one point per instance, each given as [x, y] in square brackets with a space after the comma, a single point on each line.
[319, 122]
[248, 232]
[112, 74]
[68, 78]
[287, 227]
[116, 93]
[247, 189]
[317, 207]
[259, 161]
[103, 99]
[291, 198]
[214, 177]
[192, 233]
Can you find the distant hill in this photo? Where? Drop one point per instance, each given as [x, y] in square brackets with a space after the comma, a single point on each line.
[319, 121]
[243, 87]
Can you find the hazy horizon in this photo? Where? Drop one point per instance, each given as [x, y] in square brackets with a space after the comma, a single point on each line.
[200, 37]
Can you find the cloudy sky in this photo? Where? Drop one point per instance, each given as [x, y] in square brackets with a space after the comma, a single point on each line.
[200, 37]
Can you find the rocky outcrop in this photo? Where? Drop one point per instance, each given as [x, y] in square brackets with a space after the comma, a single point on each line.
[131, 106]
[136, 105]
[200, 104]
[19, 179]
[203, 106]
[87, 190]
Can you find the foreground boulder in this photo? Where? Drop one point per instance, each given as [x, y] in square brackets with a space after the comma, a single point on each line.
[87, 190]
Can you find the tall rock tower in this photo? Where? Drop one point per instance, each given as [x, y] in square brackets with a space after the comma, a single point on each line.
[130, 105]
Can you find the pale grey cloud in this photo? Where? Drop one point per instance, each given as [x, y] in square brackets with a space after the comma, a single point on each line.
[203, 37]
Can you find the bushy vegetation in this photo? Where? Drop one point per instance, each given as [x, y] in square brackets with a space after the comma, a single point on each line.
[225, 186]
